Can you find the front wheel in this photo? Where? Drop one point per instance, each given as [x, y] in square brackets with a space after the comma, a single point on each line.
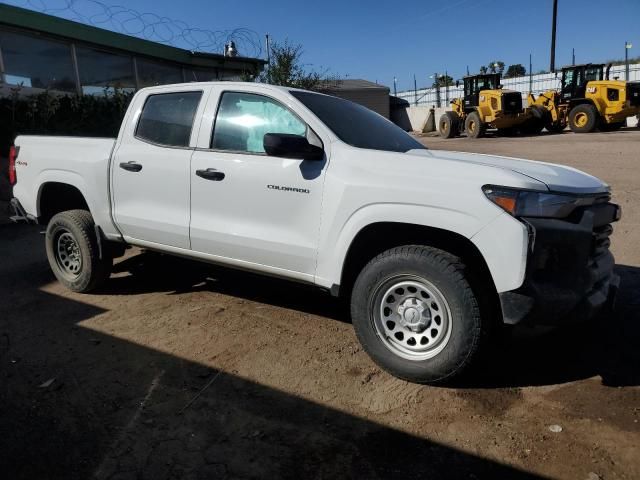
[73, 253]
[474, 126]
[583, 118]
[416, 315]
[448, 127]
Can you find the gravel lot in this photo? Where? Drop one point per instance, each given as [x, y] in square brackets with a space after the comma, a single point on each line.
[182, 370]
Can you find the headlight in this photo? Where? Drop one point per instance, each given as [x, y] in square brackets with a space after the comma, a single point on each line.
[525, 203]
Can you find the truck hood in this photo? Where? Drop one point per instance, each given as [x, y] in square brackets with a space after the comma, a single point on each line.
[557, 178]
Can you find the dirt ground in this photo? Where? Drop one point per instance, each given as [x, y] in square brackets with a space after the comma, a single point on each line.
[182, 370]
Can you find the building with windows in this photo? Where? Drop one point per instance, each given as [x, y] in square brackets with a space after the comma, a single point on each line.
[39, 52]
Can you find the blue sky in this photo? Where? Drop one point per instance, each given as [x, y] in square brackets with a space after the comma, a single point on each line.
[380, 40]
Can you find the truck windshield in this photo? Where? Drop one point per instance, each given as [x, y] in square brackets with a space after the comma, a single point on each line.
[357, 125]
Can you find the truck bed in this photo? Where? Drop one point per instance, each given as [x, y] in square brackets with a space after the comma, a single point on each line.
[79, 161]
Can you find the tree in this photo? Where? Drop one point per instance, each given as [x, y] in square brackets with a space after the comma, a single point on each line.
[443, 81]
[516, 70]
[286, 69]
[483, 70]
[497, 66]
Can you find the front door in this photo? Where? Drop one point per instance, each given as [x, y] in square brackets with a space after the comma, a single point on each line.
[150, 170]
[249, 208]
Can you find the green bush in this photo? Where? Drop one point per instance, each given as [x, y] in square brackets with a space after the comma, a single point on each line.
[47, 113]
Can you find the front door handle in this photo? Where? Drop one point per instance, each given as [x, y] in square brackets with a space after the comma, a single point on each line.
[131, 166]
[210, 174]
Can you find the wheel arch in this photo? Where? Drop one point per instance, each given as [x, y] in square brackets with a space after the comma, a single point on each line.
[581, 101]
[376, 238]
[57, 196]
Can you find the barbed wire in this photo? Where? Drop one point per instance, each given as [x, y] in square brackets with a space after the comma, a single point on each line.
[148, 26]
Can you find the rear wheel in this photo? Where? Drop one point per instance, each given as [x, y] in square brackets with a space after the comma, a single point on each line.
[449, 125]
[73, 253]
[416, 315]
[583, 118]
[474, 126]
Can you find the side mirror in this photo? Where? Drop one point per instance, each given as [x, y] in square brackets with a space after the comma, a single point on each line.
[291, 146]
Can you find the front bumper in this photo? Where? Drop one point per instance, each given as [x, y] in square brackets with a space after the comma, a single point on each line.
[569, 273]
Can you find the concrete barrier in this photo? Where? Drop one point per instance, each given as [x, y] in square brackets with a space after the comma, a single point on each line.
[418, 119]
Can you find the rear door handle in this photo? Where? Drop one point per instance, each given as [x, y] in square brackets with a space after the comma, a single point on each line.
[131, 166]
[210, 174]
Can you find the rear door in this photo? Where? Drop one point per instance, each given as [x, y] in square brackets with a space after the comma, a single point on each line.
[150, 171]
[253, 209]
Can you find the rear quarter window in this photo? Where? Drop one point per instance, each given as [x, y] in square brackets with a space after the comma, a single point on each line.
[167, 118]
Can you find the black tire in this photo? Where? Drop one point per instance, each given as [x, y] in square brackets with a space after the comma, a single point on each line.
[535, 124]
[555, 127]
[583, 118]
[446, 274]
[449, 125]
[73, 253]
[474, 127]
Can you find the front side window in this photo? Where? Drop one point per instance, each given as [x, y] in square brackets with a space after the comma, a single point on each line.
[167, 118]
[593, 74]
[244, 118]
[568, 78]
[357, 125]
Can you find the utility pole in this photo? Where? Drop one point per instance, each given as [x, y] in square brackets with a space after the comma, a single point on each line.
[552, 68]
[446, 88]
[573, 56]
[530, 75]
[395, 87]
[415, 90]
[268, 45]
[627, 47]
[467, 70]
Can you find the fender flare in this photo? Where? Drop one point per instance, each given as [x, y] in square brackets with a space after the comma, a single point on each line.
[502, 240]
[330, 265]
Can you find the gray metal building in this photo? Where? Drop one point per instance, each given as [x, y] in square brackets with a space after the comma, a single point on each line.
[369, 94]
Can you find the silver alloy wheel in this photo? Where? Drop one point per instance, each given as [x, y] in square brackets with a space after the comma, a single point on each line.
[412, 317]
[68, 255]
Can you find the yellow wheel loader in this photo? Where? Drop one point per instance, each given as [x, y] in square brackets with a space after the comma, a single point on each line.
[486, 105]
[588, 100]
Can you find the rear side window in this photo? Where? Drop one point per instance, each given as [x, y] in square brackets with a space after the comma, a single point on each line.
[167, 118]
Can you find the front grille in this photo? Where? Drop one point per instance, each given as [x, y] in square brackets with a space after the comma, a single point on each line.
[633, 93]
[511, 102]
[601, 240]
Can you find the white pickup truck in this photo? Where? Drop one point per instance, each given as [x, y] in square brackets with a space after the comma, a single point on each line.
[433, 249]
